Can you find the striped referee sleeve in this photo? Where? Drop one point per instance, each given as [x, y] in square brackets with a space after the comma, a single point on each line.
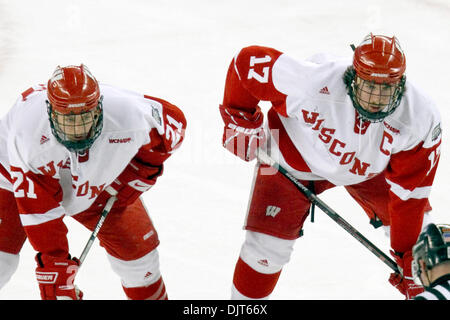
[439, 292]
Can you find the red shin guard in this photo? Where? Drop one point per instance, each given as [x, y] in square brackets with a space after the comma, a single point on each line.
[155, 291]
[253, 284]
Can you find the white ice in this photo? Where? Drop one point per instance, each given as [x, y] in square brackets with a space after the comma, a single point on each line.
[180, 51]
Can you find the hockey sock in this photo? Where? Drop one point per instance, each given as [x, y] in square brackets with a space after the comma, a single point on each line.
[8, 265]
[154, 291]
[253, 284]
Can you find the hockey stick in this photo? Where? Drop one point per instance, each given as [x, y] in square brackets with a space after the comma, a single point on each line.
[265, 158]
[99, 224]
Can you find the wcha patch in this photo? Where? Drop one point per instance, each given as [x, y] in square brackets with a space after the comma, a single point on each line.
[156, 116]
[436, 132]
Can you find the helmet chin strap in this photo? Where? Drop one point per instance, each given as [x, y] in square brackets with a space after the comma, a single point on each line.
[426, 274]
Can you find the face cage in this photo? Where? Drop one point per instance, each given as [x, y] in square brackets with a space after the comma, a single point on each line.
[352, 90]
[63, 136]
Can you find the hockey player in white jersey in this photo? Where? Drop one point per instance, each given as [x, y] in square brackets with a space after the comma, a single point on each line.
[332, 122]
[62, 145]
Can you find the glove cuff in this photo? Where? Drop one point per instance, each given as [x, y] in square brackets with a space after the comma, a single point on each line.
[403, 260]
[242, 118]
[146, 170]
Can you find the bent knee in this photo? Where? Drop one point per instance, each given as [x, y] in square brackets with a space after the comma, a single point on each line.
[265, 253]
[139, 272]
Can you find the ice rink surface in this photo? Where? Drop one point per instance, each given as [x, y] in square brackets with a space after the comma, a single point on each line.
[180, 51]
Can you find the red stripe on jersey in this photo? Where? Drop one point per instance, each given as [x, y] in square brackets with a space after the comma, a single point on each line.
[287, 148]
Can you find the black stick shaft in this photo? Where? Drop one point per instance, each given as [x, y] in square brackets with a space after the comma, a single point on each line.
[100, 222]
[265, 158]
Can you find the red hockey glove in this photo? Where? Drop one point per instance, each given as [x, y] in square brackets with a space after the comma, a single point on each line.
[243, 132]
[404, 281]
[55, 277]
[134, 180]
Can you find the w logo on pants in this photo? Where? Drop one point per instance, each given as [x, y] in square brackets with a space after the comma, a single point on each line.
[272, 211]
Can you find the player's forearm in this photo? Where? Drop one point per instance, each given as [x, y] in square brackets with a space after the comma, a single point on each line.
[406, 221]
[49, 238]
[236, 95]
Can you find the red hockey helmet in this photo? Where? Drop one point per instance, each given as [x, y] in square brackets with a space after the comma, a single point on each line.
[380, 59]
[376, 79]
[75, 107]
[73, 90]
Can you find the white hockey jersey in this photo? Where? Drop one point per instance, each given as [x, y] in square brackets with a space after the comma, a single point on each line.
[50, 182]
[315, 133]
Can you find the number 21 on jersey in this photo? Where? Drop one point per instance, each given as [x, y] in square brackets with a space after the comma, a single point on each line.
[22, 189]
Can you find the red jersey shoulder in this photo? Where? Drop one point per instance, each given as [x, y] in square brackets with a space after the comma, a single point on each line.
[32, 90]
[254, 67]
[256, 62]
[171, 110]
[175, 124]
